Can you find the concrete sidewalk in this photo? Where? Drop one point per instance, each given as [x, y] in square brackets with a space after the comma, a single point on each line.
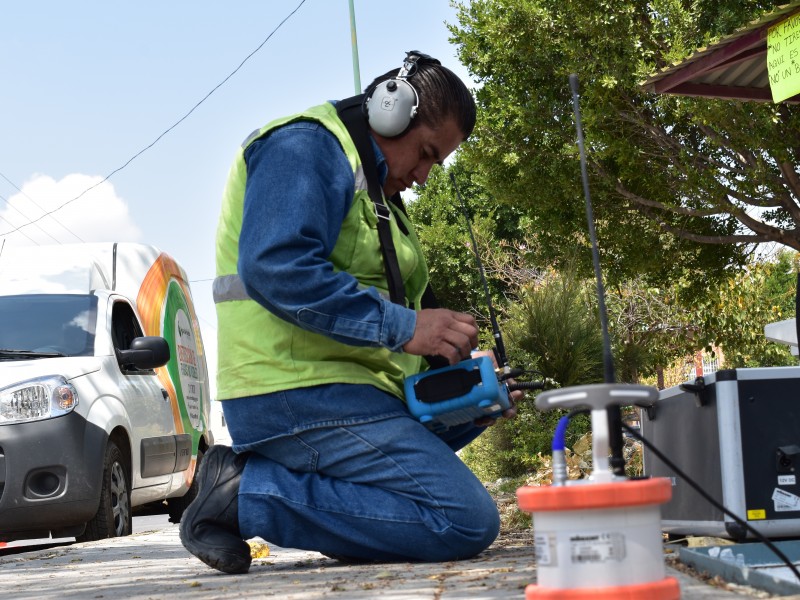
[152, 565]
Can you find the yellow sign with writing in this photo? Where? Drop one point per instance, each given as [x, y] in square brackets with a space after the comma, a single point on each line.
[783, 58]
[756, 514]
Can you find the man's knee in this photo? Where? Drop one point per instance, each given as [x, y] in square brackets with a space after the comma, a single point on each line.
[471, 531]
[481, 531]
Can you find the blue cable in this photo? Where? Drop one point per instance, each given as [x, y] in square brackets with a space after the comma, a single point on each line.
[559, 461]
[559, 437]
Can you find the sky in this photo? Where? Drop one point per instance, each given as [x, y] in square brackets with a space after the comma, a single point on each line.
[86, 86]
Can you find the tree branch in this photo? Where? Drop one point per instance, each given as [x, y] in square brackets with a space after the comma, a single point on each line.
[787, 238]
[677, 210]
[791, 178]
[702, 163]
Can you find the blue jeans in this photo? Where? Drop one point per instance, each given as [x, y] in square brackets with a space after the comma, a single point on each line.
[345, 470]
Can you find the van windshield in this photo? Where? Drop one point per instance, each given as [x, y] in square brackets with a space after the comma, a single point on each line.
[50, 324]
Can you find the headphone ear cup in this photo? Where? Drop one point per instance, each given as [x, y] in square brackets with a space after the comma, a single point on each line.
[391, 106]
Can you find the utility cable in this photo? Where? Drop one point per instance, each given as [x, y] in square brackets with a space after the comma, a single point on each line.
[165, 132]
[16, 187]
[12, 225]
[711, 500]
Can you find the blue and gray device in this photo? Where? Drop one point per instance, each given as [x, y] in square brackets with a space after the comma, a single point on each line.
[457, 394]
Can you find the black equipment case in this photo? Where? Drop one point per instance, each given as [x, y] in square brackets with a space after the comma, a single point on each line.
[736, 433]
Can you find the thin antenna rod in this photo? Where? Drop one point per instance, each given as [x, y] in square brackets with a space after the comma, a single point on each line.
[615, 442]
[354, 44]
[608, 360]
[498, 338]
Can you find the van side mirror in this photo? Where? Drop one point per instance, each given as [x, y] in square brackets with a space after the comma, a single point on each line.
[145, 353]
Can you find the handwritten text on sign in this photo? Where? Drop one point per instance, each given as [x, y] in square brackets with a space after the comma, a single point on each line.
[783, 58]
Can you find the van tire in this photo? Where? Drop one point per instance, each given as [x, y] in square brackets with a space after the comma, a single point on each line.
[177, 506]
[114, 517]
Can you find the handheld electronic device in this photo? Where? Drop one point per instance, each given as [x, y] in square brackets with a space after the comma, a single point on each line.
[457, 394]
[472, 388]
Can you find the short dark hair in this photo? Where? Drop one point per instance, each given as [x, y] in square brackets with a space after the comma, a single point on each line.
[441, 93]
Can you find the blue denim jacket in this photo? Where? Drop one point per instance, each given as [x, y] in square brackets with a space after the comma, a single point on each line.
[299, 188]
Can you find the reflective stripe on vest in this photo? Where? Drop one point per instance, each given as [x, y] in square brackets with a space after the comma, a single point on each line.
[230, 287]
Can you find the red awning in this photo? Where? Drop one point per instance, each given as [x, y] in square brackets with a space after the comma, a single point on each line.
[734, 67]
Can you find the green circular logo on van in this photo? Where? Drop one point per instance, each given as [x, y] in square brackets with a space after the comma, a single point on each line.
[183, 366]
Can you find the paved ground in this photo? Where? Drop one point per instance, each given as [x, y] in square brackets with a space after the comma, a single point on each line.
[154, 565]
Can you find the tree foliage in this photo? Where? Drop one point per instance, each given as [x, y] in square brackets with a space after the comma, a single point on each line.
[552, 327]
[666, 172]
[734, 316]
[555, 322]
[651, 327]
[443, 222]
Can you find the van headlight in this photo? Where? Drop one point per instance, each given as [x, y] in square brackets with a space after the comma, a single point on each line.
[36, 399]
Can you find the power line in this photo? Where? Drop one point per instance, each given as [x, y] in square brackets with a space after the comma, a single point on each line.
[15, 186]
[165, 132]
[22, 232]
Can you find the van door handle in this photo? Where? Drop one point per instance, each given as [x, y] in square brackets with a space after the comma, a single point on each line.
[165, 393]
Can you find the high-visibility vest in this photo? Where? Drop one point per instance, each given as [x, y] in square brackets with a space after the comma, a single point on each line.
[260, 353]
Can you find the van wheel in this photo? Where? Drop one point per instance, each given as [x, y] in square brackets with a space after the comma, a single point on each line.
[114, 517]
[177, 506]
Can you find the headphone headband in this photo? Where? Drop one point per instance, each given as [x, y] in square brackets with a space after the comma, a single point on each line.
[414, 58]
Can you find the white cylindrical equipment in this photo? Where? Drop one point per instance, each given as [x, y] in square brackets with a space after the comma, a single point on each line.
[599, 540]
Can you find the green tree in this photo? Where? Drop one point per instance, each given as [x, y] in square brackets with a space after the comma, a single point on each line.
[442, 224]
[650, 328]
[733, 316]
[556, 322]
[678, 184]
[781, 281]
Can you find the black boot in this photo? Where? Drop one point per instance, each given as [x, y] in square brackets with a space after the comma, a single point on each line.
[210, 526]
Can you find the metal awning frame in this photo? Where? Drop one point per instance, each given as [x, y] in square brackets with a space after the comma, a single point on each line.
[733, 68]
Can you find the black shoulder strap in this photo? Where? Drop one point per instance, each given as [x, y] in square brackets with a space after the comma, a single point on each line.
[428, 299]
[351, 114]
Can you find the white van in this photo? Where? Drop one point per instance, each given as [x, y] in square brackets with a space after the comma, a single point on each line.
[104, 398]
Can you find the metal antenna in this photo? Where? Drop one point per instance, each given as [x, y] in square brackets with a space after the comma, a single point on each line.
[614, 412]
[608, 360]
[500, 348]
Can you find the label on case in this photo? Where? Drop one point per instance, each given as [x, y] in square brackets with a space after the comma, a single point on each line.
[786, 480]
[544, 545]
[785, 501]
[597, 547]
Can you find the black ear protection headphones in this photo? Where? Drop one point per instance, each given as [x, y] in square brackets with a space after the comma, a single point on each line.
[394, 102]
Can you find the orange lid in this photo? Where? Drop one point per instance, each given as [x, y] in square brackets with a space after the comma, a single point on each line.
[666, 589]
[589, 495]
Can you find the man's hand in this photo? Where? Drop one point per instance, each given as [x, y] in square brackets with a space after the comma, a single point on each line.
[442, 332]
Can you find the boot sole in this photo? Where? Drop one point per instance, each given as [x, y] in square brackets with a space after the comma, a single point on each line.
[213, 556]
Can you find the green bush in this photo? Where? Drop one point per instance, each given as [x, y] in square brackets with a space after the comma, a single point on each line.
[510, 448]
[553, 329]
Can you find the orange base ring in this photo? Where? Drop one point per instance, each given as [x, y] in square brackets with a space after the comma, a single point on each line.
[666, 589]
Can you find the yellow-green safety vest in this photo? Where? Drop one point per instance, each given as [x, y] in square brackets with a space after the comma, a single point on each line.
[260, 353]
